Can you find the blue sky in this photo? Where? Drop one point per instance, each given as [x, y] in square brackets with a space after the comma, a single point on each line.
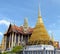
[15, 11]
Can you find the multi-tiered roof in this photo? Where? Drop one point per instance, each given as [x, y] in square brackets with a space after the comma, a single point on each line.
[25, 29]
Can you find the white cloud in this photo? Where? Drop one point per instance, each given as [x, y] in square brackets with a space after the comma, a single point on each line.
[4, 22]
[1, 33]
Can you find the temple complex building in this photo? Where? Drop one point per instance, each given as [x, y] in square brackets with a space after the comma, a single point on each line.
[16, 36]
[25, 35]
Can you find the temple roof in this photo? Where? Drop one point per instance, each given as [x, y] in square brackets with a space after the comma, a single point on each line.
[14, 28]
[25, 29]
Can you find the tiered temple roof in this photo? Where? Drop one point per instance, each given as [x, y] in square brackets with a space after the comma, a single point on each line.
[22, 29]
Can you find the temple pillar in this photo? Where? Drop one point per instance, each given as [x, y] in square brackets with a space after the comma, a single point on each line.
[12, 40]
[5, 38]
[9, 44]
[15, 40]
[9, 41]
[18, 39]
[22, 38]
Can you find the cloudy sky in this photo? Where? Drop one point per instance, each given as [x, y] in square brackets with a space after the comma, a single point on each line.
[14, 11]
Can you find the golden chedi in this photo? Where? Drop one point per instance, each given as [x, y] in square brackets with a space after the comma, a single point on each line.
[39, 34]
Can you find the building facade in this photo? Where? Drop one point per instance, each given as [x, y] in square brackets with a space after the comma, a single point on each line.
[16, 36]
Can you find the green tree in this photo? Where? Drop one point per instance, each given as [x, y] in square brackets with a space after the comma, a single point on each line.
[4, 53]
[0, 53]
[17, 49]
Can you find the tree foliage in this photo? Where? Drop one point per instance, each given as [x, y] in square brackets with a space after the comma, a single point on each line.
[17, 49]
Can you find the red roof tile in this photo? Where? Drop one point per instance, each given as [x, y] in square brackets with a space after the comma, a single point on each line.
[20, 29]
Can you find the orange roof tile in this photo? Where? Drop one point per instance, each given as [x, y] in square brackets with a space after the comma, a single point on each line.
[20, 29]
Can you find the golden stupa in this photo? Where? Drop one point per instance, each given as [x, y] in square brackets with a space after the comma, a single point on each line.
[40, 34]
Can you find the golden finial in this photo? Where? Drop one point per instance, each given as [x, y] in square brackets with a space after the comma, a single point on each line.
[39, 12]
[39, 20]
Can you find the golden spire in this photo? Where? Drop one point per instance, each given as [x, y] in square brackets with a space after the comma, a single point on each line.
[39, 20]
[39, 13]
[25, 23]
[39, 33]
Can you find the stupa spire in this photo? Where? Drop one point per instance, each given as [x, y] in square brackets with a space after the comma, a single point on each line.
[39, 34]
[39, 13]
[25, 23]
[39, 20]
